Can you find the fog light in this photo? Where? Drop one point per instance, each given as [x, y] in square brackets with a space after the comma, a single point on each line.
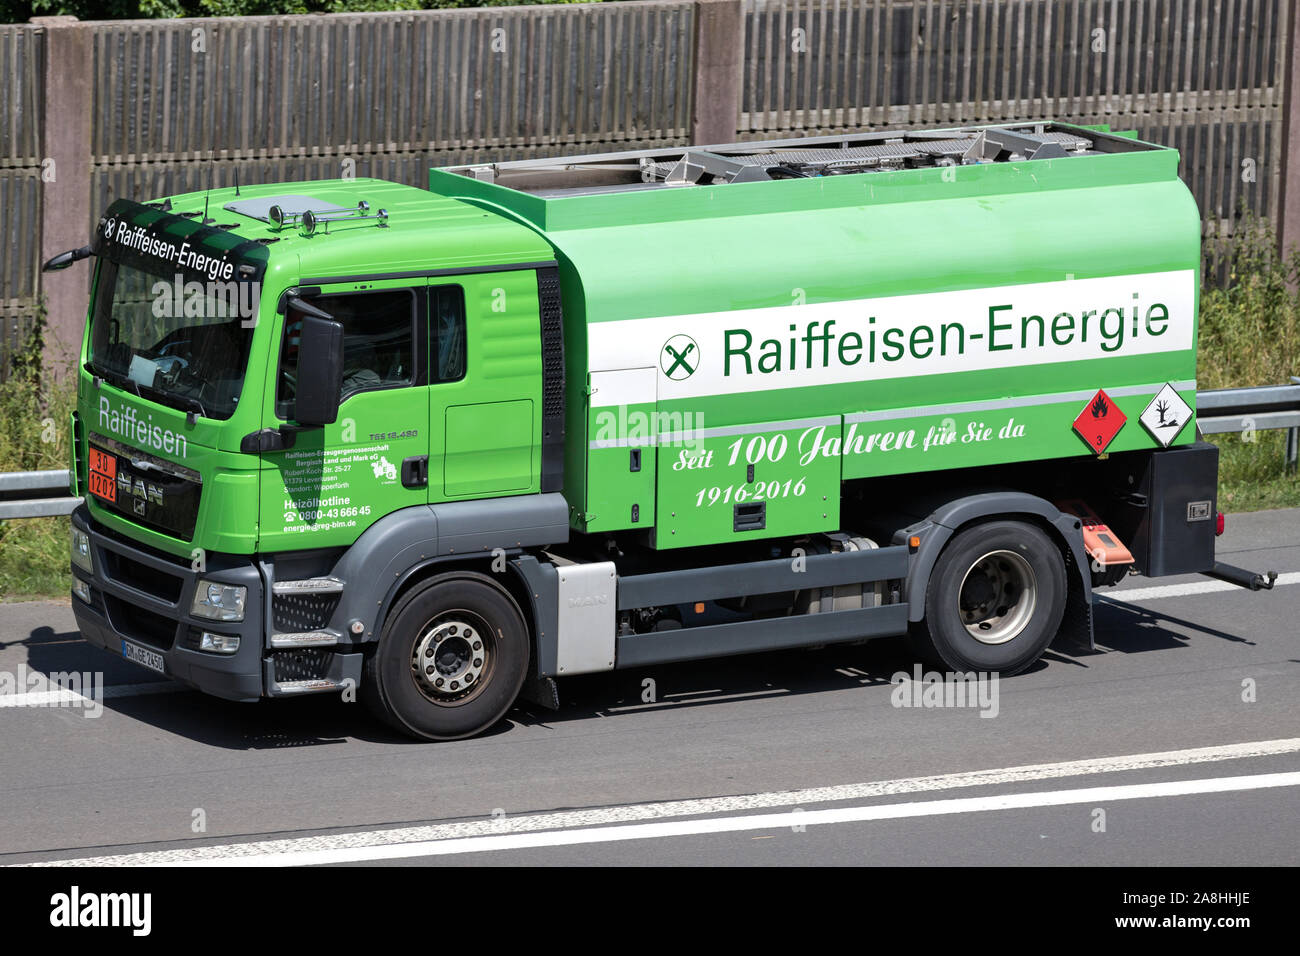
[81, 551]
[219, 602]
[81, 589]
[218, 643]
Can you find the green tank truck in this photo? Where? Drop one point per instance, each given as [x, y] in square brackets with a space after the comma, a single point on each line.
[561, 416]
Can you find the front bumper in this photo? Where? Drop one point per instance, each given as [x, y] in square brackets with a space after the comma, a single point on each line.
[144, 597]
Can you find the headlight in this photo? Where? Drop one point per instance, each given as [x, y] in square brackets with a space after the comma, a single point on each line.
[81, 551]
[219, 602]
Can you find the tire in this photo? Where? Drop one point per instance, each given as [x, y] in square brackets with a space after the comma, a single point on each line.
[471, 641]
[995, 599]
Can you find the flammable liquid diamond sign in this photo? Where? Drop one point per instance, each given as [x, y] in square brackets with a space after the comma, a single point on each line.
[1166, 416]
[1099, 422]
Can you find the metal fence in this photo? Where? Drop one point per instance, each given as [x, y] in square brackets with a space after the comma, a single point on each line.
[178, 104]
[1204, 76]
[21, 134]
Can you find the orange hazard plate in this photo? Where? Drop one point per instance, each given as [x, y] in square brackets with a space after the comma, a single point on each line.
[103, 475]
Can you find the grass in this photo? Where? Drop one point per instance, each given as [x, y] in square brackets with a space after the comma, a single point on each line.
[1250, 327]
[34, 436]
[1251, 476]
[1249, 335]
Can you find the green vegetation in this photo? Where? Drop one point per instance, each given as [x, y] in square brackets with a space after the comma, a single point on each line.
[1250, 473]
[1250, 325]
[34, 436]
[1250, 335]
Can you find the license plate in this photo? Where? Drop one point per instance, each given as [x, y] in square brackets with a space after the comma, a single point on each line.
[143, 656]
[103, 475]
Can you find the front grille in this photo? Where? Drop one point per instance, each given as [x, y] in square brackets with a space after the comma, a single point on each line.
[118, 567]
[293, 613]
[150, 491]
[139, 624]
[181, 565]
[304, 664]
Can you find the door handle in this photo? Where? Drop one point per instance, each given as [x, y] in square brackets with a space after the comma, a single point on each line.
[415, 471]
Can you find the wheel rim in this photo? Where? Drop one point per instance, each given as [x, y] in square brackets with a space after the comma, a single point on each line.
[453, 658]
[997, 597]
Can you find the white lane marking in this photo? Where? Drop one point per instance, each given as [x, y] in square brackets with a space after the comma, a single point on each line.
[247, 852]
[1182, 590]
[47, 698]
[766, 821]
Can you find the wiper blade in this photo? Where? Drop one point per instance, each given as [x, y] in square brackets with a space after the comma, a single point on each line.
[170, 399]
[162, 397]
[113, 378]
[193, 404]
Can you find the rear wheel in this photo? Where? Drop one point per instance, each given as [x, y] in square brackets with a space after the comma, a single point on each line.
[995, 599]
[451, 660]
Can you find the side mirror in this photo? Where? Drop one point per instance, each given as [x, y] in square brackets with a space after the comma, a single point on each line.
[320, 369]
[65, 259]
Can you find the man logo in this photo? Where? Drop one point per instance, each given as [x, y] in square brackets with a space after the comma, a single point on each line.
[680, 357]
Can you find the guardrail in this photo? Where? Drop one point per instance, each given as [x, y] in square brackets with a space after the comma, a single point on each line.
[1229, 410]
[45, 494]
[1253, 409]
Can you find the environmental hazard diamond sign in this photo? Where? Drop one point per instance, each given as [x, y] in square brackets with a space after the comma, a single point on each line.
[1166, 416]
[1099, 422]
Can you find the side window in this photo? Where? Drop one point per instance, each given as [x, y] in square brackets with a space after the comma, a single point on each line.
[378, 343]
[446, 334]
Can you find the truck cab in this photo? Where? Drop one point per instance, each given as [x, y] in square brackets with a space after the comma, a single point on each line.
[267, 377]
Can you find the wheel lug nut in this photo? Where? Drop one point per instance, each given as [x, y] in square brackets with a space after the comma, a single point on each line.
[478, 662]
[455, 684]
[438, 682]
[429, 669]
[478, 645]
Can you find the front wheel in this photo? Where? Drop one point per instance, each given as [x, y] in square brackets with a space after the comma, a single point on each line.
[995, 599]
[451, 660]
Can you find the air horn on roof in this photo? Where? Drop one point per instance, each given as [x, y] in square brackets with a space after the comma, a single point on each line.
[309, 220]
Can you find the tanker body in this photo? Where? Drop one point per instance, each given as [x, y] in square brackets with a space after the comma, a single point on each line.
[907, 305]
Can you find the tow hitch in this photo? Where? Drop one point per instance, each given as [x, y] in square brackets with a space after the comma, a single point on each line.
[1254, 580]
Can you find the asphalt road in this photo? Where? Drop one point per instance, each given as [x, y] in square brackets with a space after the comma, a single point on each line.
[1175, 742]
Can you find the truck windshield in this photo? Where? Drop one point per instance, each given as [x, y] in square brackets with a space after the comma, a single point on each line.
[181, 343]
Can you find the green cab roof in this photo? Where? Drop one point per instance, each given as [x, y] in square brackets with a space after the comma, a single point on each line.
[420, 231]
